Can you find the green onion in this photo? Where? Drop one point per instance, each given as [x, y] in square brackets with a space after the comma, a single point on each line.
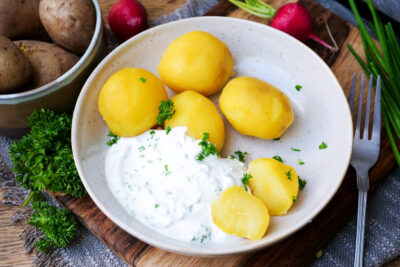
[384, 62]
[256, 7]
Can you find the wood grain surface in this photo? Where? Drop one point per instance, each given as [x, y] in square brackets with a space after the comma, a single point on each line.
[297, 250]
[300, 248]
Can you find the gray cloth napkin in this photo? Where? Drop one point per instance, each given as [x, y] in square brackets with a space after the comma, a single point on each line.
[383, 215]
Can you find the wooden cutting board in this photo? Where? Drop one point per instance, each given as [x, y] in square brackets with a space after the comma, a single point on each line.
[298, 249]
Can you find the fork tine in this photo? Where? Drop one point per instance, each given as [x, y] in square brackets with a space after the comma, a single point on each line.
[377, 112]
[368, 108]
[352, 94]
[359, 112]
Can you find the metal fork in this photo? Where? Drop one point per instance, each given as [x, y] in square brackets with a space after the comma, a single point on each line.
[365, 154]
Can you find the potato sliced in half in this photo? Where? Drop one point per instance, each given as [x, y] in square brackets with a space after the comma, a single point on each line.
[236, 212]
[275, 183]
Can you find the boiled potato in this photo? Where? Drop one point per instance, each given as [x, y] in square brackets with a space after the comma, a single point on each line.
[238, 213]
[256, 108]
[199, 115]
[48, 61]
[70, 23]
[20, 18]
[275, 183]
[196, 61]
[129, 101]
[15, 69]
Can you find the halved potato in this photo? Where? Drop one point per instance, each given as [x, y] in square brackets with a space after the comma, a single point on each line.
[256, 108]
[196, 61]
[199, 115]
[236, 212]
[275, 183]
[129, 101]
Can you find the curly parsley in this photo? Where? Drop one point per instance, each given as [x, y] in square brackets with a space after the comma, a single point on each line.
[246, 179]
[240, 155]
[113, 139]
[302, 183]
[207, 148]
[165, 111]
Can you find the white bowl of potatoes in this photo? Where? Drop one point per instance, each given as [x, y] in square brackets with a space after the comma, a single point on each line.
[252, 89]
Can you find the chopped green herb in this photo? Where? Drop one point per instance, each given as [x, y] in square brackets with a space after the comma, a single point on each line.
[143, 80]
[232, 157]
[167, 129]
[278, 158]
[156, 205]
[246, 179]
[277, 139]
[295, 149]
[166, 167]
[241, 155]
[300, 161]
[323, 145]
[165, 111]
[298, 87]
[302, 183]
[141, 148]
[289, 174]
[294, 198]
[152, 132]
[114, 139]
[207, 148]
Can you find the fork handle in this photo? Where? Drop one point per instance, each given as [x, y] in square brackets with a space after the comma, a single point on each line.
[362, 207]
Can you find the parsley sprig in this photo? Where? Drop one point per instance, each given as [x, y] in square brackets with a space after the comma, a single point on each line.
[240, 155]
[246, 179]
[113, 139]
[165, 111]
[57, 225]
[207, 148]
[42, 160]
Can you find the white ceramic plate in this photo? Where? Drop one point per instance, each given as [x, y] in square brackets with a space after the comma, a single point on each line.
[321, 115]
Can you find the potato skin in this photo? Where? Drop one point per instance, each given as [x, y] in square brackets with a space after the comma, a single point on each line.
[15, 69]
[20, 19]
[196, 61]
[48, 61]
[256, 108]
[129, 101]
[199, 115]
[272, 185]
[70, 23]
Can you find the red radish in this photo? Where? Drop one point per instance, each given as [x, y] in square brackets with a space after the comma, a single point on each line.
[295, 20]
[127, 18]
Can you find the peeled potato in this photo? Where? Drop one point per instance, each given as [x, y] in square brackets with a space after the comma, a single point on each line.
[199, 115]
[256, 108]
[196, 61]
[275, 183]
[129, 101]
[238, 213]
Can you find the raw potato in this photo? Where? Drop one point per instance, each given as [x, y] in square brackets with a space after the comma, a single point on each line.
[236, 212]
[129, 101]
[70, 23]
[275, 183]
[196, 61]
[256, 108]
[20, 18]
[48, 61]
[199, 115]
[15, 69]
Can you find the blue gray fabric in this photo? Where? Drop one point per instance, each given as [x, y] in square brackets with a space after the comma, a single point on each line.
[383, 217]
